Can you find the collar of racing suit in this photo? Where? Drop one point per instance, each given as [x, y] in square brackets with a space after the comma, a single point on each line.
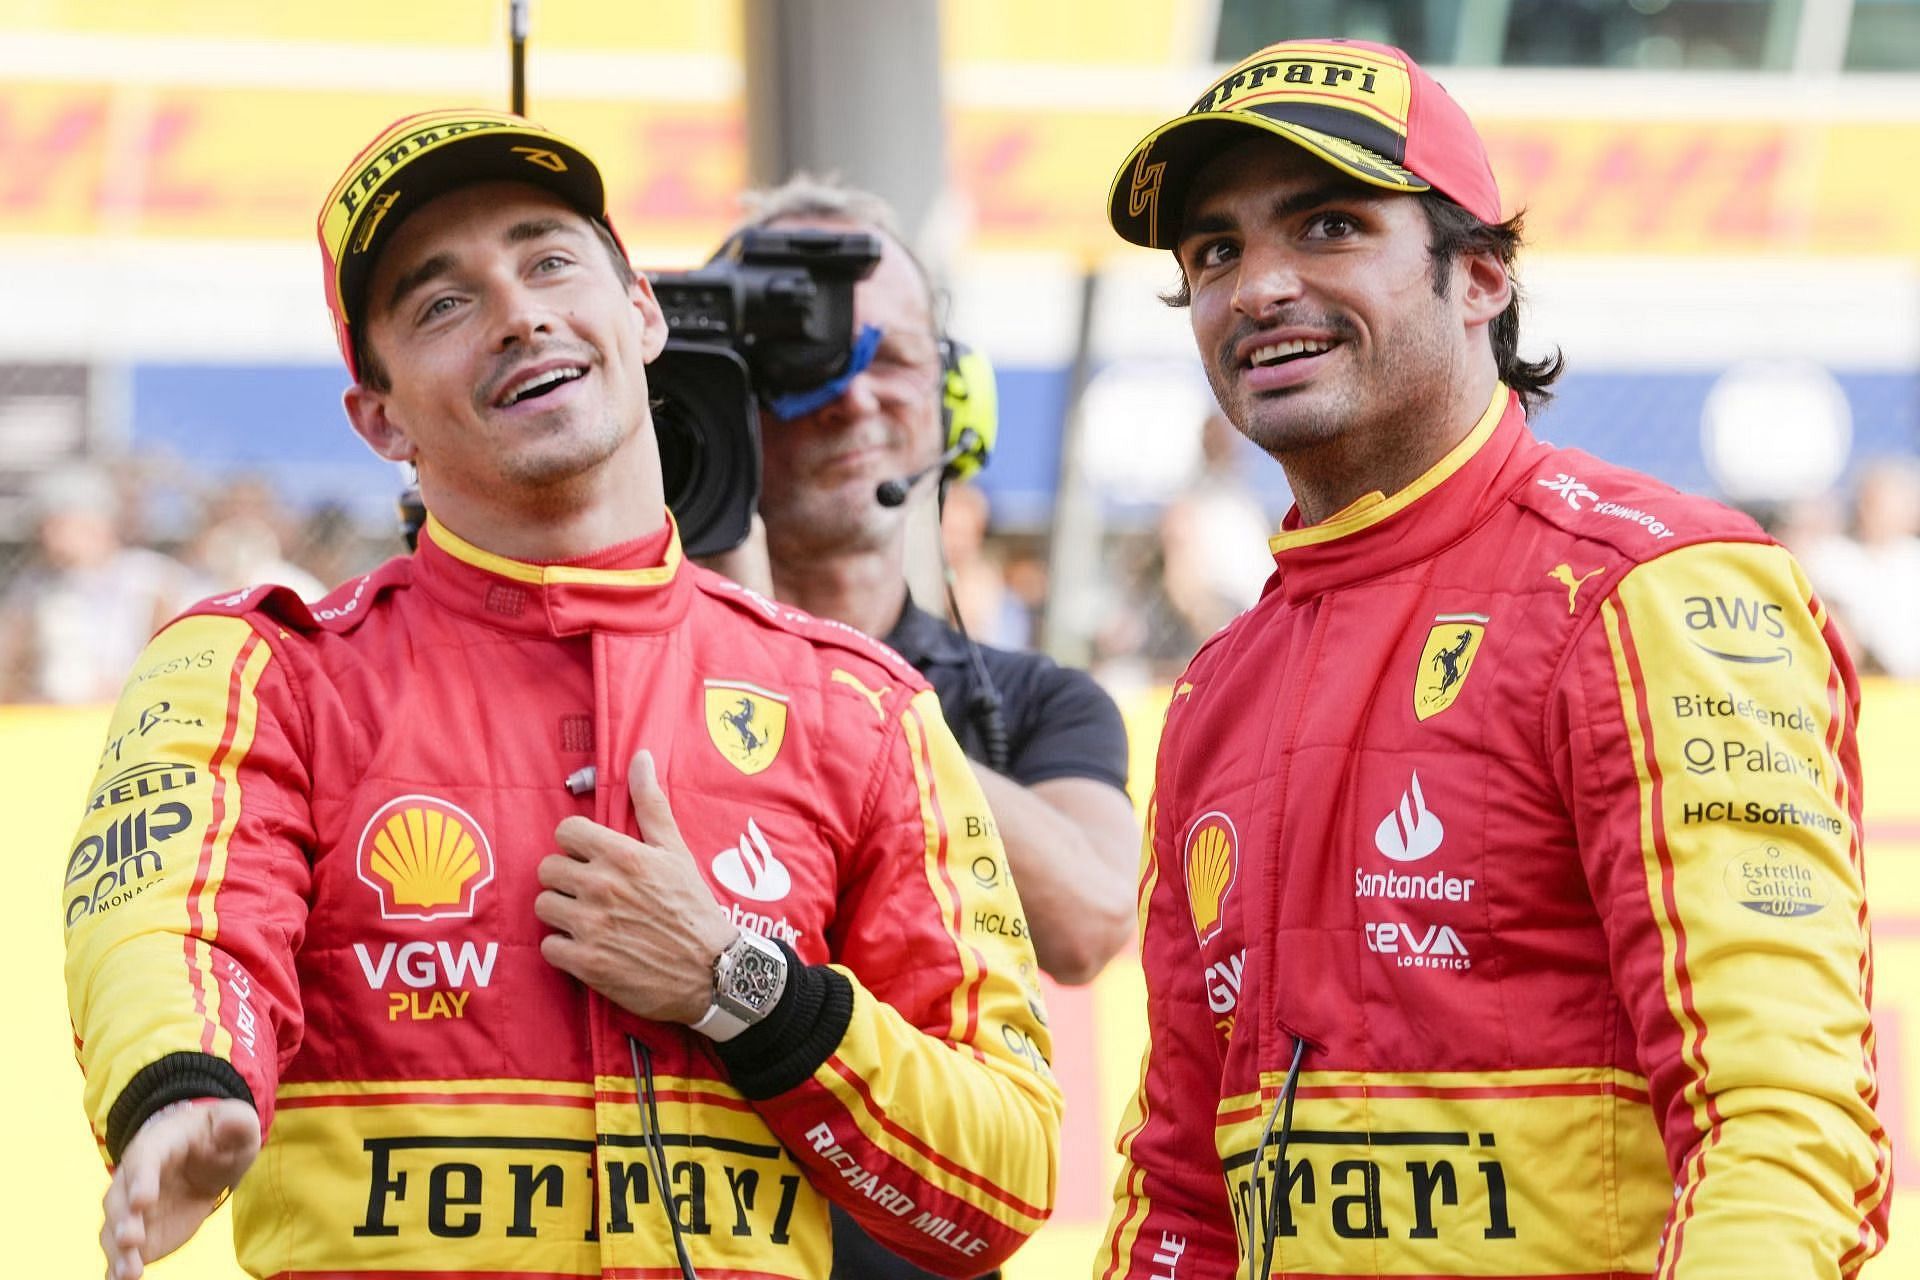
[636, 587]
[1379, 534]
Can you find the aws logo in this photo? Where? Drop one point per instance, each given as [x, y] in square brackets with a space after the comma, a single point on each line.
[746, 723]
[1213, 861]
[425, 858]
[1737, 629]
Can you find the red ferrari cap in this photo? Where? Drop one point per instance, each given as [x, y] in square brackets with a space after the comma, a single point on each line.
[1366, 109]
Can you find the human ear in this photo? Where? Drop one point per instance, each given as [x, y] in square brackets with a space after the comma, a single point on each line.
[367, 411]
[653, 320]
[1485, 288]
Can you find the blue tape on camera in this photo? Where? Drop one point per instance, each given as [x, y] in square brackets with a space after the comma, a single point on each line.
[798, 404]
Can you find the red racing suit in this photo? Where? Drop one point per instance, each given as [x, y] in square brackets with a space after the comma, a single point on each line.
[306, 878]
[1525, 805]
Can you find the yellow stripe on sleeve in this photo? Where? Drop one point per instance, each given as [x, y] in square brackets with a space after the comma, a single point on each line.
[242, 720]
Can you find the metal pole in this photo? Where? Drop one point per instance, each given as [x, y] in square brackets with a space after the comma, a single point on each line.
[517, 33]
[1073, 553]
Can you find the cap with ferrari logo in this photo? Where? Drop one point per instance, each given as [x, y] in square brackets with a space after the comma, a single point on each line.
[419, 157]
[1366, 109]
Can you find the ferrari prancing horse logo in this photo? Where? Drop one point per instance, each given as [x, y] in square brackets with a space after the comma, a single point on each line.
[1446, 659]
[747, 723]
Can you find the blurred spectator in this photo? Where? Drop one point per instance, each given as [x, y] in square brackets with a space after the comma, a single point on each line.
[1873, 579]
[1206, 562]
[1213, 537]
[72, 624]
[992, 613]
[333, 548]
[241, 542]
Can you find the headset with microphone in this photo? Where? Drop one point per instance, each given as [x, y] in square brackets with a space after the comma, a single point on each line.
[969, 417]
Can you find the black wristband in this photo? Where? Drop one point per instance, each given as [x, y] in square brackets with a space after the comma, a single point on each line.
[178, 1077]
[799, 1033]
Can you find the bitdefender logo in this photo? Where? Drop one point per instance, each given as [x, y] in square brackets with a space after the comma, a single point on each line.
[1412, 831]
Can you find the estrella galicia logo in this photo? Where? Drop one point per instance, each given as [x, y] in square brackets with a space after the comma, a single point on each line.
[1737, 629]
[1777, 880]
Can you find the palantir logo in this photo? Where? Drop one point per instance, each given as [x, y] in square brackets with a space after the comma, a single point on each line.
[1412, 831]
[750, 869]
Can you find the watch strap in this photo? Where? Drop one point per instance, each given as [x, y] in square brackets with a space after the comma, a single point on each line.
[719, 1025]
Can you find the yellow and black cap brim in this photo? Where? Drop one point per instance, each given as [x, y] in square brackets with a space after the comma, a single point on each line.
[1148, 198]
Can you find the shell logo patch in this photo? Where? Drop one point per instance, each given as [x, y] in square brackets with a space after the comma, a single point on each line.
[1445, 660]
[1212, 864]
[746, 723]
[427, 859]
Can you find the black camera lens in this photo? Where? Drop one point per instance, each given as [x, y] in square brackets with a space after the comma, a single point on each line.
[708, 430]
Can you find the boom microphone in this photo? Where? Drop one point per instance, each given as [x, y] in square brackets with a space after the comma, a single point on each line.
[892, 493]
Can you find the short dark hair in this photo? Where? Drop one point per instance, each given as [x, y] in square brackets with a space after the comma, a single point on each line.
[1452, 233]
[373, 374]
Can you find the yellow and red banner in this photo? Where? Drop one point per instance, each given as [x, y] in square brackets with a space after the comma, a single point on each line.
[249, 163]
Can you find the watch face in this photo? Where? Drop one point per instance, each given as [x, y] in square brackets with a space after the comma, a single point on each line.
[754, 979]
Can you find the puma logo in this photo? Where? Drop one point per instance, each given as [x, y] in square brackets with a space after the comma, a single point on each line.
[1563, 574]
[872, 695]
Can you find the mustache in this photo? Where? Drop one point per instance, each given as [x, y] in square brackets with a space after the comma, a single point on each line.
[1339, 326]
[508, 365]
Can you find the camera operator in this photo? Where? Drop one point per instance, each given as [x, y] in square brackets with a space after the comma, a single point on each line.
[1052, 755]
[839, 550]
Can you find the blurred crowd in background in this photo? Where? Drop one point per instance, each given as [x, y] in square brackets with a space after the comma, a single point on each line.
[121, 546]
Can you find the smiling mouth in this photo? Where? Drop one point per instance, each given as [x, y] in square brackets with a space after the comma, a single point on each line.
[1278, 353]
[535, 387]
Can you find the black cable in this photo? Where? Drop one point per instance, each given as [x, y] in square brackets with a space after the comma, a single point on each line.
[1282, 1107]
[656, 1151]
[984, 706]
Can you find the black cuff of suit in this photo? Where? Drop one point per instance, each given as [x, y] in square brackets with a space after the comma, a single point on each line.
[799, 1033]
[178, 1077]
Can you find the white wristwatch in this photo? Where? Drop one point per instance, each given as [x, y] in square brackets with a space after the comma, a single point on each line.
[749, 976]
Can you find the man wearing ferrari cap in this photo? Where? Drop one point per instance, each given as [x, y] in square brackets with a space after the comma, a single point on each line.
[1502, 907]
[393, 883]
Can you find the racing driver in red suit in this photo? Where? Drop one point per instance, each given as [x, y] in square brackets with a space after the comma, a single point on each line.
[394, 882]
[1502, 905]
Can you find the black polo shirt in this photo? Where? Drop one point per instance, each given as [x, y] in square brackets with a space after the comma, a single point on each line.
[1060, 722]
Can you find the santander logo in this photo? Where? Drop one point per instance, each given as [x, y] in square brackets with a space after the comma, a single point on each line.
[1412, 831]
[750, 869]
